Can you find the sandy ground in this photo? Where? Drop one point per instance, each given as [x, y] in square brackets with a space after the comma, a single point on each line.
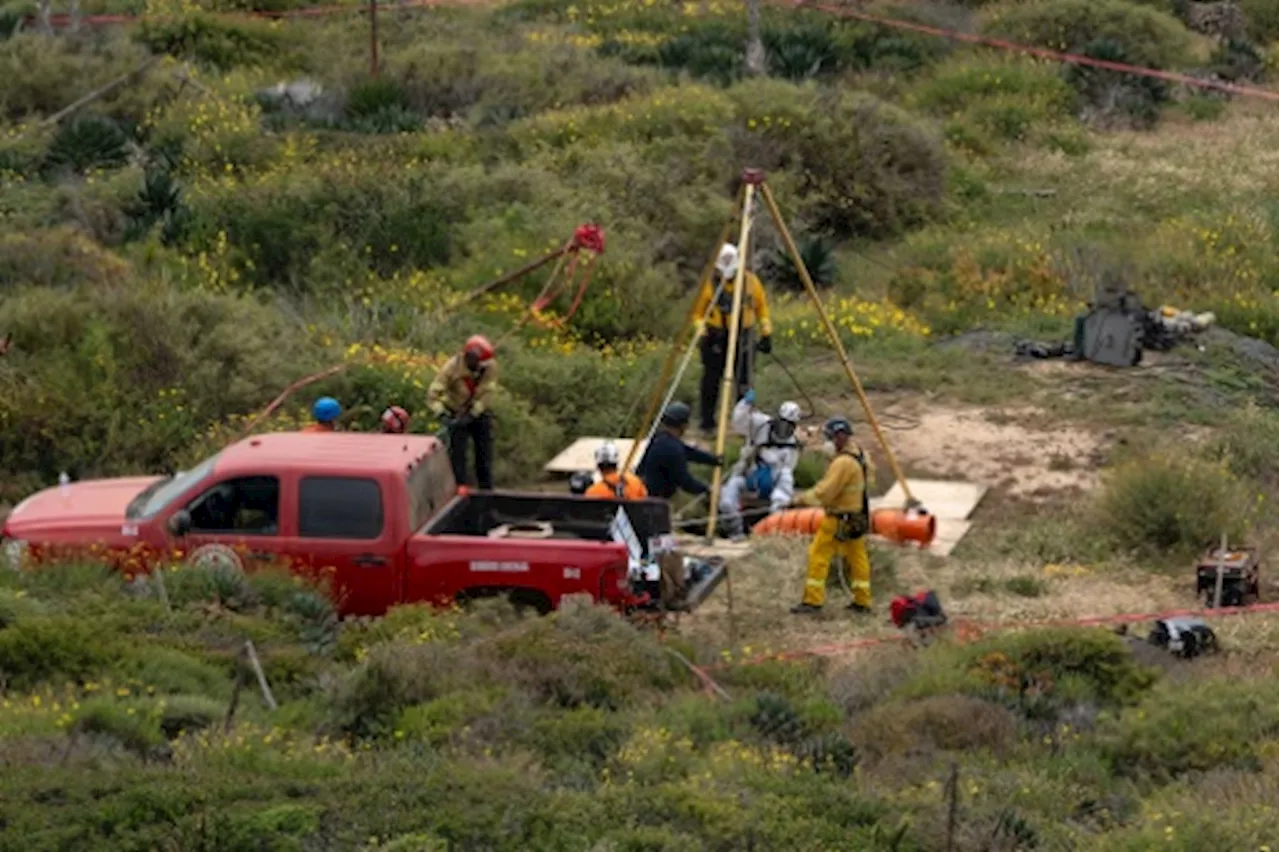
[1019, 450]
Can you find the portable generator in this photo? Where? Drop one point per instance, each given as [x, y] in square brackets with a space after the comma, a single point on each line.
[1239, 575]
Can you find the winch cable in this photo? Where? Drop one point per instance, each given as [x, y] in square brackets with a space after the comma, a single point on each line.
[807, 399]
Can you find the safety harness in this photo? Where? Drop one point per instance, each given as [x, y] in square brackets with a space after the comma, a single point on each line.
[854, 525]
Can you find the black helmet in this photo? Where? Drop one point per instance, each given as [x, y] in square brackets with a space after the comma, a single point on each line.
[836, 426]
[580, 481]
[676, 414]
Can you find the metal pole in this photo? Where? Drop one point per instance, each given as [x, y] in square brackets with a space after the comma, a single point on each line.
[778, 223]
[651, 415]
[373, 38]
[751, 180]
[1222, 567]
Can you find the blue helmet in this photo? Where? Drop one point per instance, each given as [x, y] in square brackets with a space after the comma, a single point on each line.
[326, 409]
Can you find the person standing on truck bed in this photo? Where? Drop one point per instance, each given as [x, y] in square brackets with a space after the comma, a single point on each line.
[614, 485]
[459, 396]
[665, 465]
[715, 336]
[326, 412]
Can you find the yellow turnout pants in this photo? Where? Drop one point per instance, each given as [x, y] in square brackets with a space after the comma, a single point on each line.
[821, 551]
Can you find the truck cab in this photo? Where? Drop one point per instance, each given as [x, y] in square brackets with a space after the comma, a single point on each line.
[378, 517]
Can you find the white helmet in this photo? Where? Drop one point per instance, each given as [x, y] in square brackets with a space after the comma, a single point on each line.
[789, 411]
[607, 455]
[727, 262]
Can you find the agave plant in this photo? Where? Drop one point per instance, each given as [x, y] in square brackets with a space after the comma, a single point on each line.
[87, 142]
[819, 258]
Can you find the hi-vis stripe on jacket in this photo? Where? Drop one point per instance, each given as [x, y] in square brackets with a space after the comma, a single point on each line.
[755, 305]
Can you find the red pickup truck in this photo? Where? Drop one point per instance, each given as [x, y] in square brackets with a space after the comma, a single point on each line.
[380, 514]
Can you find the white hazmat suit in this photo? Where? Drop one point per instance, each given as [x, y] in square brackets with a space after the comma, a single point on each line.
[770, 453]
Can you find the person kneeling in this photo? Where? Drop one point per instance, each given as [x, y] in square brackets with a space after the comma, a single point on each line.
[766, 467]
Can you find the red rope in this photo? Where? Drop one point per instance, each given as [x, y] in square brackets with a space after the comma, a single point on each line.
[837, 648]
[1044, 53]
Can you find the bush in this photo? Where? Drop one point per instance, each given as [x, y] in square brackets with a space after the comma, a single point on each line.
[52, 648]
[87, 142]
[93, 395]
[222, 584]
[133, 726]
[1112, 97]
[866, 168]
[172, 671]
[188, 713]
[1172, 502]
[944, 722]
[1147, 37]
[218, 43]
[44, 75]
[1246, 445]
[1037, 673]
[1183, 727]
[1262, 20]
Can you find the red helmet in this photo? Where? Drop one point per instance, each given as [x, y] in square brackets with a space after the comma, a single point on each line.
[395, 420]
[479, 346]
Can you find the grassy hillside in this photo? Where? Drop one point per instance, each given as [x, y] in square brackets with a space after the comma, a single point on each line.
[177, 252]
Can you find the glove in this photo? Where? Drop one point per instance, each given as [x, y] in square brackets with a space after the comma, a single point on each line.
[720, 460]
[765, 345]
[750, 396]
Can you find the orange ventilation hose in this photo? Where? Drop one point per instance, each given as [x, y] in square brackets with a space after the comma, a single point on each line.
[894, 525]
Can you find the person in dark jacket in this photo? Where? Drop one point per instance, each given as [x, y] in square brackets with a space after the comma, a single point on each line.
[665, 465]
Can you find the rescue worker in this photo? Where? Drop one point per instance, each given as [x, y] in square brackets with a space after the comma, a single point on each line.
[842, 494]
[665, 465]
[326, 412]
[580, 481]
[395, 421]
[768, 461]
[614, 485]
[715, 335]
[459, 396]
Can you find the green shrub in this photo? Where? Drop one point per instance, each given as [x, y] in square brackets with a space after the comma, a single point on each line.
[92, 395]
[583, 655]
[87, 142]
[1262, 20]
[189, 713]
[1171, 501]
[1237, 60]
[1182, 727]
[132, 725]
[52, 648]
[1037, 673]
[438, 721]
[1246, 445]
[943, 722]
[369, 700]
[15, 606]
[1112, 96]
[219, 43]
[222, 584]
[1147, 37]
[44, 75]
[172, 671]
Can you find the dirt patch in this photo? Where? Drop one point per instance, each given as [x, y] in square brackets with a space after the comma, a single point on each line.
[1019, 449]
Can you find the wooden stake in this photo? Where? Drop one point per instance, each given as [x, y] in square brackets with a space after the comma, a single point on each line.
[1222, 567]
[262, 677]
[373, 38]
[730, 358]
[953, 792]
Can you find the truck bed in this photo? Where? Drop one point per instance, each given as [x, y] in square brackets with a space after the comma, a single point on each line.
[554, 545]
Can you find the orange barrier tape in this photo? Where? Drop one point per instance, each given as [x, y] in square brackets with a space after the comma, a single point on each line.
[977, 628]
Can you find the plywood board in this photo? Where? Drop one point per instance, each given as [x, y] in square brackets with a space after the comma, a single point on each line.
[580, 455]
[951, 500]
[948, 535]
[725, 549]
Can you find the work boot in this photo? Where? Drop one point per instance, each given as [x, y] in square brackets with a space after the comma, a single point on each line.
[805, 609]
[858, 609]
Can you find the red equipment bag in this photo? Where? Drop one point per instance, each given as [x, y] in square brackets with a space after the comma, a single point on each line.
[922, 609]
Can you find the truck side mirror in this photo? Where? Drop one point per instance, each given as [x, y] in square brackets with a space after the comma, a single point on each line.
[180, 523]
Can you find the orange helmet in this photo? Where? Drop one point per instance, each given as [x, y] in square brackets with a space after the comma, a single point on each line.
[395, 420]
[479, 346]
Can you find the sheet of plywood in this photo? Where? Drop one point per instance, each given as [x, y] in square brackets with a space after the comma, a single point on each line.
[580, 455]
[951, 500]
[696, 546]
[948, 535]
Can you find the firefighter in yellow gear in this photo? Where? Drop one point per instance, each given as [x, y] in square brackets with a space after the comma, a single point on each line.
[842, 494]
[714, 341]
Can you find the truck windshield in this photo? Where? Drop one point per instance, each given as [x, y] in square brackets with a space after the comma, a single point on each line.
[164, 491]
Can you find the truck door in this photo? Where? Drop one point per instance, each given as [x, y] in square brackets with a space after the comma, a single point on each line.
[345, 523]
[237, 521]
